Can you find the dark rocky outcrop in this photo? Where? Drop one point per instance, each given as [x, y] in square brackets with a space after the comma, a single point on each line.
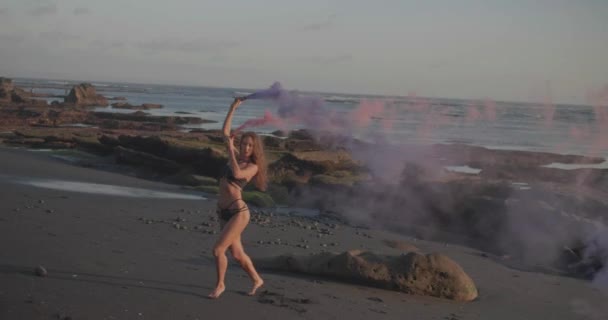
[85, 95]
[145, 106]
[10, 94]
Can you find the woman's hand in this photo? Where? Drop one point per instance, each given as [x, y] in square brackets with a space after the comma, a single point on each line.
[237, 101]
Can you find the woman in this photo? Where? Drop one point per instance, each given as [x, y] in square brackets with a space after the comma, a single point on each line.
[249, 164]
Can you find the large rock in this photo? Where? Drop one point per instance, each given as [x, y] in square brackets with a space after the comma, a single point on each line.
[84, 95]
[6, 88]
[428, 275]
[9, 94]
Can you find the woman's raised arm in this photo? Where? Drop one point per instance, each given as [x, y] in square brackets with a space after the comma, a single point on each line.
[228, 121]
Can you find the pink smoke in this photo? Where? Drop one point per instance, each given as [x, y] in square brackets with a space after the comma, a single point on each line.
[267, 120]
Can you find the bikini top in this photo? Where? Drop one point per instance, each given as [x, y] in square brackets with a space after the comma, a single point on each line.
[229, 175]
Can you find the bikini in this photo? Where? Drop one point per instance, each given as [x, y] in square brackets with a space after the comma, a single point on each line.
[227, 213]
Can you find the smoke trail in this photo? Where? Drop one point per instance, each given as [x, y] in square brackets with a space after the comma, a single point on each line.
[267, 120]
[397, 171]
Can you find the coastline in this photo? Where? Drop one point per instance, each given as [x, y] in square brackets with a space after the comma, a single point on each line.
[120, 213]
[103, 262]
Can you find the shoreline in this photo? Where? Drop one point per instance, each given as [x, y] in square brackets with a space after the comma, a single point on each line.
[110, 257]
[525, 226]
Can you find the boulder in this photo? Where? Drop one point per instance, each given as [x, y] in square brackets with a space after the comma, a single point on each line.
[433, 275]
[85, 95]
[258, 199]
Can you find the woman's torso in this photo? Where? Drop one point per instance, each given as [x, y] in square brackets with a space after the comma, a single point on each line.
[229, 189]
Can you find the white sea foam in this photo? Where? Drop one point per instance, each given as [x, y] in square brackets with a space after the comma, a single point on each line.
[463, 169]
[107, 189]
[574, 166]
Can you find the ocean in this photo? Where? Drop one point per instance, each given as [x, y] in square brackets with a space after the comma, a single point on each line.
[565, 129]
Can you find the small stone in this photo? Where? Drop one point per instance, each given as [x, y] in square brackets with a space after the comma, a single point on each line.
[41, 271]
[177, 226]
[306, 247]
[41, 201]
[324, 245]
[49, 211]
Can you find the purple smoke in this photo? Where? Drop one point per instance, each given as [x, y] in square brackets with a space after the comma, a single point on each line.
[271, 93]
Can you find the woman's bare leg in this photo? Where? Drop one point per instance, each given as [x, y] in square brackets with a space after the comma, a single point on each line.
[238, 252]
[231, 231]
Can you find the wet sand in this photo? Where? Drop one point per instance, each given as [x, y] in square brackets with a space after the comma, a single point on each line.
[110, 256]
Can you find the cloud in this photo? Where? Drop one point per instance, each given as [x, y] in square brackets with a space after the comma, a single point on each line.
[437, 65]
[3, 11]
[81, 11]
[329, 60]
[195, 46]
[11, 39]
[328, 23]
[101, 45]
[58, 36]
[43, 9]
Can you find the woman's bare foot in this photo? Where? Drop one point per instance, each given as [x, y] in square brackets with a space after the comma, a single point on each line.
[256, 285]
[217, 292]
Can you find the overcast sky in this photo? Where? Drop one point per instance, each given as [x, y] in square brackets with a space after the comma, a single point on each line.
[505, 50]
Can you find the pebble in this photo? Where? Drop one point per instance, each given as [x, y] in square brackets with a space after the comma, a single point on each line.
[50, 210]
[41, 271]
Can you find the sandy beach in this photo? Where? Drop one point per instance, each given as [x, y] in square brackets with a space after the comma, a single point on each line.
[123, 257]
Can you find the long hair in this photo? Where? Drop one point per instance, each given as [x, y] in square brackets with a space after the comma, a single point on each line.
[260, 180]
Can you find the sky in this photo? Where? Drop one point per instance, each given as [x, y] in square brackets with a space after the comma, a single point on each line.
[504, 50]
